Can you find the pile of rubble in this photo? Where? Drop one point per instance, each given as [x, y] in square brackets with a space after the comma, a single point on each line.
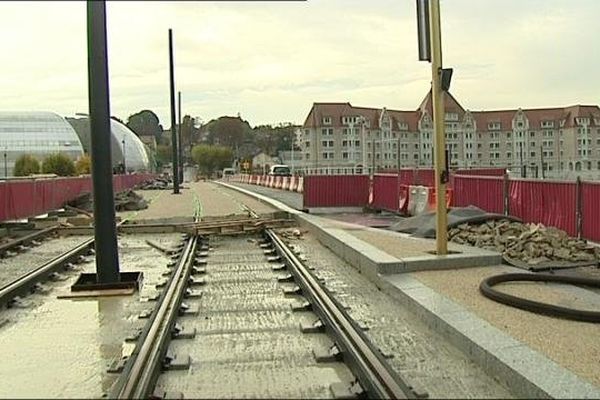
[124, 201]
[159, 183]
[532, 244]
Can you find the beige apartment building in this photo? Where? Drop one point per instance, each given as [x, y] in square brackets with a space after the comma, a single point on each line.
[339, 135]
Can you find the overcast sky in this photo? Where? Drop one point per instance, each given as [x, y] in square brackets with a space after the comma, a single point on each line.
[270, 61]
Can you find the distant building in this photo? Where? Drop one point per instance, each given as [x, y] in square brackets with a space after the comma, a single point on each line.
[555, 139]
[37, 133]
[126, 147]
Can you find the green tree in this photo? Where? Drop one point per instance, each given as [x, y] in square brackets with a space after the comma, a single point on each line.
[211, 158]
[26, 165]
[145, 123]
[59, 164]
[271, 139]
[164, 154]
[228, 131]
[83, 165]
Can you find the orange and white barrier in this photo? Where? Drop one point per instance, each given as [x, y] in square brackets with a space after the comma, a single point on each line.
[286, 183]
[300, 187]
[293, 184]
[278, 182]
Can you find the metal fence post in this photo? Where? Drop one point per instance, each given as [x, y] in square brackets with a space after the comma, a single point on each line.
[505, 188]
[578, 205]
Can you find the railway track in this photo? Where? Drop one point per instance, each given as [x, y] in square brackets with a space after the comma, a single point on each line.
[28, 282]
[22, 243]
[239, 270]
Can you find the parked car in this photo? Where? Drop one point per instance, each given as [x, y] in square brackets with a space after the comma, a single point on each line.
[280, 170]
[228, 172]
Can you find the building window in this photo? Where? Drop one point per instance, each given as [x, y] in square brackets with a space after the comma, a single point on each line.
[532, 154]
[345, 155]
[508, 154]
[327, 131]
[492, 126]
[532, 134]
[547, 124]
[326, 120]
[307, 156]
[307, 144]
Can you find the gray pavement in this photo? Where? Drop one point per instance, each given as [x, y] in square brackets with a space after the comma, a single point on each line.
[291, 199]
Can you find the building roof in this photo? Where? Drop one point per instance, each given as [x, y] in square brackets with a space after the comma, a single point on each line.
[482, 118]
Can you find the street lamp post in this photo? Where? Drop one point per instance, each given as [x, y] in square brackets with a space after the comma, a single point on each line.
[124, 158]
[5, 164]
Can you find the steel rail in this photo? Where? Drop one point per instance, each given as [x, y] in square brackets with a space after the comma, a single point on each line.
[375, 375]
[141, 370]
[27, 238]
[25, 282]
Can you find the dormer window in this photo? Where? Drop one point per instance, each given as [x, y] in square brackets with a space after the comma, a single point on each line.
[326, 120]
[403, 126]
[451, 117]
[349, 120]
[547, 124]
[494, 126]
[582, 121]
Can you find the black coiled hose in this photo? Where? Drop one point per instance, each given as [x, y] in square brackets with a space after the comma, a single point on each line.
[486, 288]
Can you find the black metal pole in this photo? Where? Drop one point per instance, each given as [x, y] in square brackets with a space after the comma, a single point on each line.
[179, 141]
[173, 118]
[105, 230]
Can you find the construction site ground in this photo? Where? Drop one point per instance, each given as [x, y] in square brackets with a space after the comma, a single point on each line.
[571, 344]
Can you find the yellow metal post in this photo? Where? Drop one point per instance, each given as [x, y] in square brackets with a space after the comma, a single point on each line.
[438, 120]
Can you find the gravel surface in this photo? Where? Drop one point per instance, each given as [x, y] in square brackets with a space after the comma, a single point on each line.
[248, 342]
[420, 354]
[572, 344]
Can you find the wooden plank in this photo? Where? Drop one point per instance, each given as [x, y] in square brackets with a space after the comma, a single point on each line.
[96, 293]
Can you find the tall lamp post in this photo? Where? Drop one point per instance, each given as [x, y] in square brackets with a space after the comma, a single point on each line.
[5, 164]
[124, 158]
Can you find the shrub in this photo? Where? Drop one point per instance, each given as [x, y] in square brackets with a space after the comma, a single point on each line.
[59, 164]
[83, 166]
[25, 165]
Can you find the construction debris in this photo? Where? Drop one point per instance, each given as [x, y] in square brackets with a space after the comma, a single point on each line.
[159, 183]
[532, 244]
[124, 201]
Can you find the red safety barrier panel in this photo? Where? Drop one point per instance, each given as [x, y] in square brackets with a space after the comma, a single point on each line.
[386, 194]
[30, 197]
[590, 210]
[482, 192]
[551, 203]
[336, 191]
[278, 180]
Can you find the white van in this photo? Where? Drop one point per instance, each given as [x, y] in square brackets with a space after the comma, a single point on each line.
[228, 172]
[280, 170]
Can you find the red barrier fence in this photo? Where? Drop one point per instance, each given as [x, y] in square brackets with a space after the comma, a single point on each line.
[28, 198]
[481, 191]
[551, 203]
[336, 191]
[386, 194]
[590, 210]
